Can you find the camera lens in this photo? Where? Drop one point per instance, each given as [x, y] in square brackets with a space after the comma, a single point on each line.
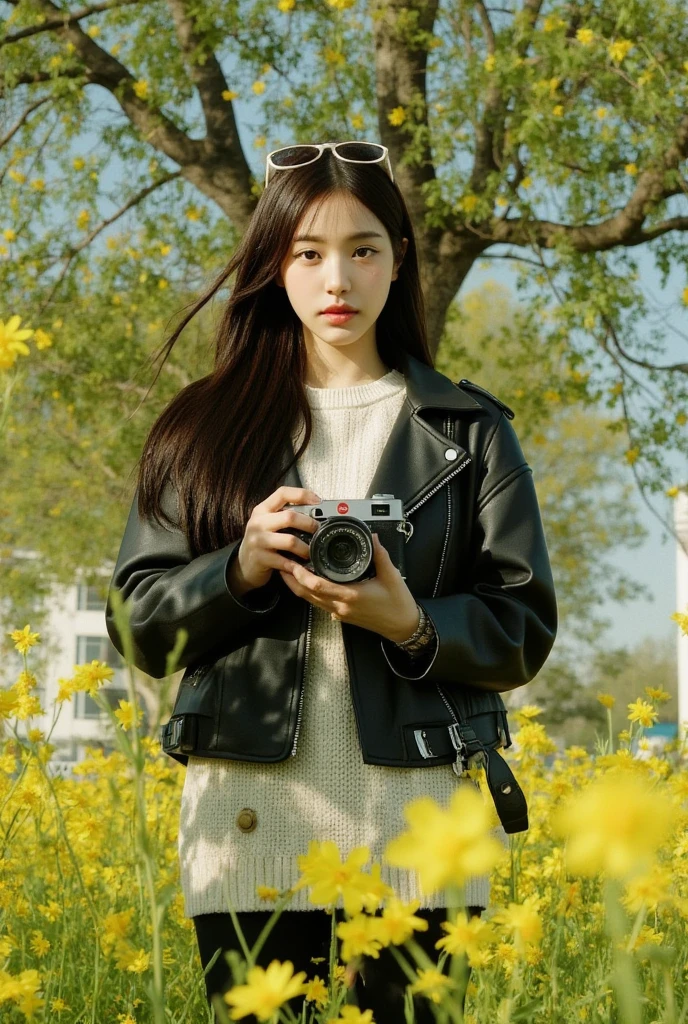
[341, 552]
[342, 549]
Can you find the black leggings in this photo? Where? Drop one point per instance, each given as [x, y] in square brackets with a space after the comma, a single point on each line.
[299, 935]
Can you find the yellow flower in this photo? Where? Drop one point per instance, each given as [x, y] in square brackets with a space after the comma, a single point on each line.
[93, 31]
[192, 213]
[551, 23]
[396, 116]
[682, 619]
[39, 944]
[140, 963]
[11, 345]
[286, 5]
[681, 419]
[585, 36]
[83, 217]
[632, 454]
[606, 700]
[446, 845]
[125, 714]
[657, 693]
[398, 921]
[489, 63]
[619, 49]
[23, 639]
[558, 110]
[522, 920]
[266, 990]
[466, 936]
[467, 203]
[267, 892]
[501, 201]
[607, 824]
[38, 184]
[10, 235]
[141, 88]
[316, 991]
[258, 88]
[17, 176]
[527, 182]
[432, 984]
[649, 889]
[641, 711]
[601, 112]
[631, 169]
[526, 713]
[42, 339]
[357, 121]
[91, 676]
[322, 869]
[230, 94]
[360, 936]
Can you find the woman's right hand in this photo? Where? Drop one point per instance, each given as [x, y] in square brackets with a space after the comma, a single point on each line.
[259, 551]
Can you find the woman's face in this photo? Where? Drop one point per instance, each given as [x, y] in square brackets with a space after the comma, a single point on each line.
[326, 266]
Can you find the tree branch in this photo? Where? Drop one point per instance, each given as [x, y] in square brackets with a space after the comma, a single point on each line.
[22, 120]
[73, 250]
[66, 19]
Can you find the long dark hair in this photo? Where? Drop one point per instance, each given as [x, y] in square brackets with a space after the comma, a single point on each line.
[221, 442]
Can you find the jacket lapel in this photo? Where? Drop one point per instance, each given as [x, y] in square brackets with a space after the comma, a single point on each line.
[416, 457]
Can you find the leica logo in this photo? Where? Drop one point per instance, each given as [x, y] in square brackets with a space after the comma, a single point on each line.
[342, 508]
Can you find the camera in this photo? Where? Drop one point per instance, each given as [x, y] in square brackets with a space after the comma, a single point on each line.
[341, 548]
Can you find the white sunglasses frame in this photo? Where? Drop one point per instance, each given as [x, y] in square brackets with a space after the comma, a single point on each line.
[321, 147]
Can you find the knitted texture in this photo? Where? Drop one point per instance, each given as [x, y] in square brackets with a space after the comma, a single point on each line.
[325, 791]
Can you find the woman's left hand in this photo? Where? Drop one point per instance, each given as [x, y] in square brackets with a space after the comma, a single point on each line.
[383, 604]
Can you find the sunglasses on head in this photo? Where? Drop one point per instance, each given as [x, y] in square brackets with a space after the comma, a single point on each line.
[351, 152]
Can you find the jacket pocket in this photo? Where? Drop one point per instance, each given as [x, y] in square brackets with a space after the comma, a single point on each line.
[199, 692]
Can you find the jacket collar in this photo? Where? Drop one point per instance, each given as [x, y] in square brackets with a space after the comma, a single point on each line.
[417, 458]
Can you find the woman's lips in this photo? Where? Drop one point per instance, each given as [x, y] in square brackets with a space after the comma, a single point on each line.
[338, 318]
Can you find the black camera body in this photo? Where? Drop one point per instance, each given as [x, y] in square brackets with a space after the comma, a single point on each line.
[341, 548]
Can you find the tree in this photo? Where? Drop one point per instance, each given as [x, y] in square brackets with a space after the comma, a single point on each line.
[549, 135]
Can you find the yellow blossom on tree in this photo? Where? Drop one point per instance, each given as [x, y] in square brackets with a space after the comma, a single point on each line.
[192, 213]
[527, 182]
[601, 112]
[141, 88]
[558, 110]
[42, 339]
[632, 454]
[229, 94]
[10, 234]
[357, 121]
[619, 50]
[681, 418]
[396, 116]
[631, 169]
[672, 492]
[38, 184]
[552, 22]
[258, 88]
[286, 5]
[585, 36]
[489, 62]
[16, 176]
[93, 31]
[83, 219]
[684, 295]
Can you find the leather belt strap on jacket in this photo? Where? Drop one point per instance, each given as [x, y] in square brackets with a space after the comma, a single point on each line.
[509, 799]
[433, 741]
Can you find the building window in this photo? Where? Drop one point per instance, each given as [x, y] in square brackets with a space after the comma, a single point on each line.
[89, 599]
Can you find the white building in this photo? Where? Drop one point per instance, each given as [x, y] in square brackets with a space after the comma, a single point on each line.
[74, 634]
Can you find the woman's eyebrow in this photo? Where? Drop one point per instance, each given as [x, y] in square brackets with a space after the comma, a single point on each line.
[351, 238]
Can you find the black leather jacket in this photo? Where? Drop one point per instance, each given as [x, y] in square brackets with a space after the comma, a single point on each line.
[477, 561]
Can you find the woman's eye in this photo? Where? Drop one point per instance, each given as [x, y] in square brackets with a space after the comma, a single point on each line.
[367, 248]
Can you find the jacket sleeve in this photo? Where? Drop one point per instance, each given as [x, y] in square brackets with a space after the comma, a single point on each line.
[166, 589]
[498, 634]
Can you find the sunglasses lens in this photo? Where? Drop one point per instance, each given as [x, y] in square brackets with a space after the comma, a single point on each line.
[360, 151]
[292, 156]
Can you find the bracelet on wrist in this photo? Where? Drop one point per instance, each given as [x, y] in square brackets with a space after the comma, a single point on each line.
[422, 636]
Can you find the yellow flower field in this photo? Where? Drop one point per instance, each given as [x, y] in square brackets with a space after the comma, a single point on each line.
[589, 912]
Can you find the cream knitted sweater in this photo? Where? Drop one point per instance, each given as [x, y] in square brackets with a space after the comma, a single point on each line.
[325, 791]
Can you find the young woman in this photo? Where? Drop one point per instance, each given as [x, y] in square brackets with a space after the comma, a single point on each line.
[315, 706]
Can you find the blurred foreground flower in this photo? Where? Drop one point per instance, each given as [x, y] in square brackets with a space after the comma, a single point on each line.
[615, 825]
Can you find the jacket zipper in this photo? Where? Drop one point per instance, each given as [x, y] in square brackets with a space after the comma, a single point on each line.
[408, 512]
[448, 431]
[303, 679]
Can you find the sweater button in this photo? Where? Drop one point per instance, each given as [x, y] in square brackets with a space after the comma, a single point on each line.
[246, 819]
